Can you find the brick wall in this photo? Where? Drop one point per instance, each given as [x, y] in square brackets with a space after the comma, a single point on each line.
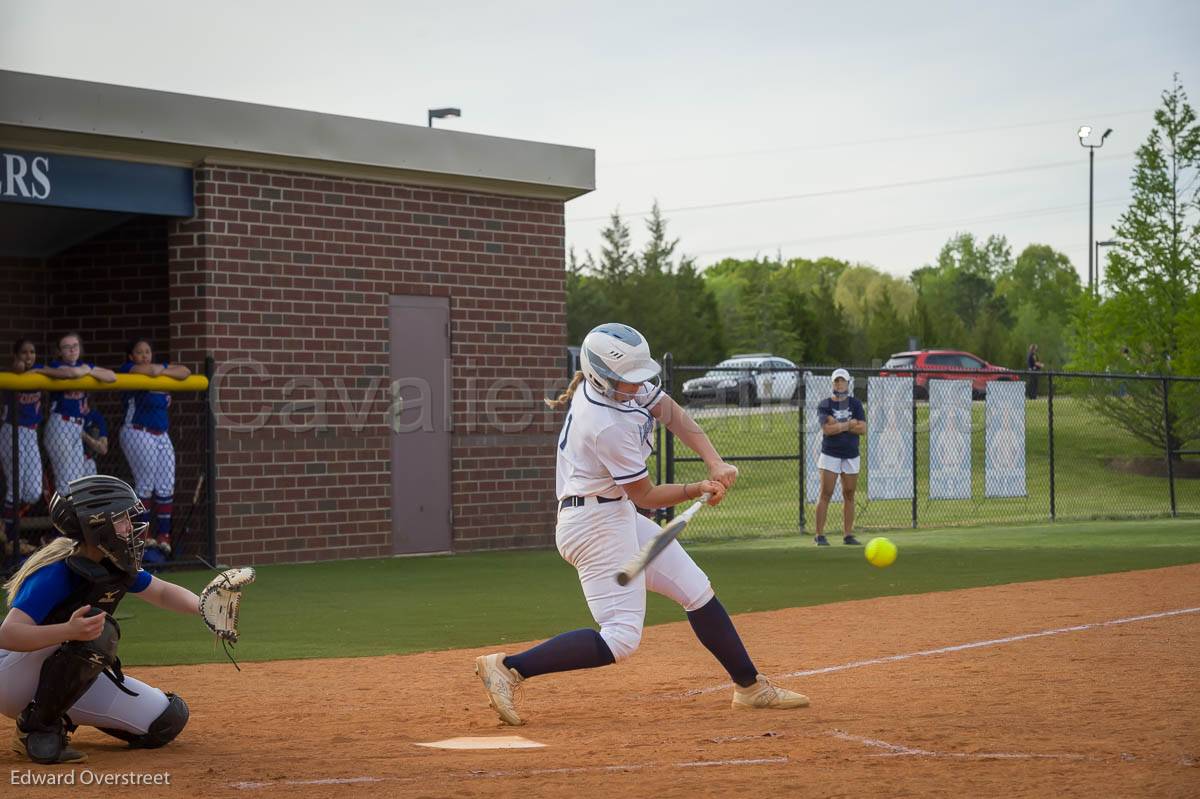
[22, 305]
[109, 288]
[293, 272]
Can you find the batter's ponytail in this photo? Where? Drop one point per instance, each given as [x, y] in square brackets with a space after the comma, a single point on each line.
[60, 548]
[564, 399]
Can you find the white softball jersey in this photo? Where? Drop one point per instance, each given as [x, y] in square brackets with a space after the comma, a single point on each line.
[604, 443]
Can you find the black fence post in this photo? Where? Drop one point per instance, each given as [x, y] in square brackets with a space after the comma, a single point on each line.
[14, 533]
[210, 460]
[914, 451]
[659, 513]
[801, 395]
[1050, 426]
[668, 385]
[1166, 384]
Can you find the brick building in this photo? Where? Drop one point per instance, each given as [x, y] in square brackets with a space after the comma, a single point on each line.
[384, 303]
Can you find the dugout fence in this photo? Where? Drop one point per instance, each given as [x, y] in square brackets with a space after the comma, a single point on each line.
[950, 449]
[171, 466]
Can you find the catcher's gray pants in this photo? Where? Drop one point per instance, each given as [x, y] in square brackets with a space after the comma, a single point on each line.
[103, 705]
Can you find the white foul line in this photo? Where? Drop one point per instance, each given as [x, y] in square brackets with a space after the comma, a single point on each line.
[897, 750]
[761, 761]
[858, 664]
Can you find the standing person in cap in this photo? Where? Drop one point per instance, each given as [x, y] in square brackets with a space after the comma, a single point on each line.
[842, 421]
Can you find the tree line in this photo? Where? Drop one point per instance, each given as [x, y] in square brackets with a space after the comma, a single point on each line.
[975, 295]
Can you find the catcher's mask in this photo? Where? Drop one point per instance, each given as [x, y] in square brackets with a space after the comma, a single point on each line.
[105, 512]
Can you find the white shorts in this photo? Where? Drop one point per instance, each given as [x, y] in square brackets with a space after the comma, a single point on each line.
[829, 463]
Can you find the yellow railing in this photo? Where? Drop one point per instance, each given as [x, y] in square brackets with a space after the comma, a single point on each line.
[10, 381]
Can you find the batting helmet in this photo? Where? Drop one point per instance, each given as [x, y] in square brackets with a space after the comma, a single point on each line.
[614, 353]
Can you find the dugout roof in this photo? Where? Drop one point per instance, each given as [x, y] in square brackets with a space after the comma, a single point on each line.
[108, 127]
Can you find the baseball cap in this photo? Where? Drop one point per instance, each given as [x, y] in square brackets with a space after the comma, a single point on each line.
[842, 373]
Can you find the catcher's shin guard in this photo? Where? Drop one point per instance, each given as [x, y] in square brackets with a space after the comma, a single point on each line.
[65, 677]
[163, 730]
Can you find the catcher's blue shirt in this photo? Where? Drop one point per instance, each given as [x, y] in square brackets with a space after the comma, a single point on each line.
[45, 588]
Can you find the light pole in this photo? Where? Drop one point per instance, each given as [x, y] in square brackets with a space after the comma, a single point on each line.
[442, 113]
[1084, 132]
[1100, 244]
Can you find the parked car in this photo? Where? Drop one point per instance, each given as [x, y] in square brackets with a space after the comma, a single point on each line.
[745, 380]
[946, 365]
[572, 361]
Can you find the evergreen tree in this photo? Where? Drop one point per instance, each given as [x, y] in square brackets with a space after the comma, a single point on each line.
[1144, 323]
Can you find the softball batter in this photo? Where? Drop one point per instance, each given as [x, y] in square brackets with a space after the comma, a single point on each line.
[67, 592]
[612, 410]
[29, 416]
[64, 429]
[146, 442]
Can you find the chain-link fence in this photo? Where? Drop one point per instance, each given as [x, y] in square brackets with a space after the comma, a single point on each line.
[159, 442]
[943, 447]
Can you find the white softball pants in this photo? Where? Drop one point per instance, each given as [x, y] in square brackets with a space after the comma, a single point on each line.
[103, 705]
[31, 463]
[152, 460]
[64, 445]
[597, 540]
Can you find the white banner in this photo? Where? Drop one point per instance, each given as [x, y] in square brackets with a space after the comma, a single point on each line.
[949, 439]
[889, 438]
[1004, 453]
[816, 388]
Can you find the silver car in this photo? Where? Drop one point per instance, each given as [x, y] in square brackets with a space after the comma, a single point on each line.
[745, 380]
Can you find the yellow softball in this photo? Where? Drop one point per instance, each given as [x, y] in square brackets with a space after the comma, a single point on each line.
[881, 552]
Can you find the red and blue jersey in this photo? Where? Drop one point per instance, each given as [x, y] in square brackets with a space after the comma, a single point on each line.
[68, 403]
[146, 409]
[29, 405]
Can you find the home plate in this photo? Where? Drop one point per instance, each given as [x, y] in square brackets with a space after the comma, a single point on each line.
[492, 742]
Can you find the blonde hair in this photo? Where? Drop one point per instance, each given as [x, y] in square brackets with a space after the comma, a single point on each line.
[59, 549]
[564, 399]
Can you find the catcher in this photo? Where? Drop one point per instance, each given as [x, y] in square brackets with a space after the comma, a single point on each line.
[59, 636]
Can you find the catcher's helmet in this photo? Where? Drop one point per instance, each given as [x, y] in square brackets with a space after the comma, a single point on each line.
[92, 509]
[614, 353]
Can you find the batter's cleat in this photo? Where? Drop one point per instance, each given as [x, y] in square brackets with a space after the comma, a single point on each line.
[821, 541]
[850, 540]
[501, 684]
[765, 695]
[163, 542]
[46, 746]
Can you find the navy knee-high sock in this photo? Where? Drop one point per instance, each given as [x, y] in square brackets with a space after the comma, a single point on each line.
[578, 649]
[715, 630]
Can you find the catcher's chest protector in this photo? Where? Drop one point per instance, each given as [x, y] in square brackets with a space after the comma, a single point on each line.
[102, 587]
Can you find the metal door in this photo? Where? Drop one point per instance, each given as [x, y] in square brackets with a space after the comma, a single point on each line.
[420, 415]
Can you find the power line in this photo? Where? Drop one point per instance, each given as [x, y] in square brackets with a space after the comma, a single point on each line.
[858, 189]
[879, 140]
[923, 226]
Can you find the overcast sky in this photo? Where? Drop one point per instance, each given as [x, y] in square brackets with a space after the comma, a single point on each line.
[704, 103]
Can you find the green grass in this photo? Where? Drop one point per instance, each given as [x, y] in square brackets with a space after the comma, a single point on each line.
[1086, 487]
[385, 606]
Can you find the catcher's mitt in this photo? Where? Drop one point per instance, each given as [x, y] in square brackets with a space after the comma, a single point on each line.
[220, 601]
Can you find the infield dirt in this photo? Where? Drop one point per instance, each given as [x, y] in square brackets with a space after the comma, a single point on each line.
[1106, 710]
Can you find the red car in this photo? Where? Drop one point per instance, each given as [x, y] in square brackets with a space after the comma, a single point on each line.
[946, 365]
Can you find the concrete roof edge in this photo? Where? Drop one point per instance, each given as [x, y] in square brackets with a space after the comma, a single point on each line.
[214, 126]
